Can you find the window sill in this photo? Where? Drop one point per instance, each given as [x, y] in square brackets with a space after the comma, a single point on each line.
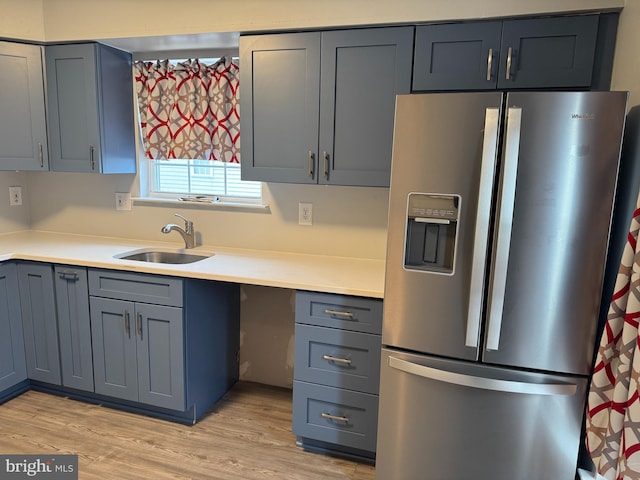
[220, 205]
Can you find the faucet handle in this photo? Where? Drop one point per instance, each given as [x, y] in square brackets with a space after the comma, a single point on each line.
[188, 224]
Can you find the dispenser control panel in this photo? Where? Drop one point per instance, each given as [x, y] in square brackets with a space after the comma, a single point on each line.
[432, 228]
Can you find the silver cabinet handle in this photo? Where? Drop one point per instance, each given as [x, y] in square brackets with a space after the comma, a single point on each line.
[489, 64]
[509, 59]
[505, 223]
[325, 158]
[92, 159]
[127, 323]
[40, 155]
[334, 418]
[338, 313]
[557, 389]
[68, 275]
[310, 163]
[329, 358]
[139, 325]
[483, 220]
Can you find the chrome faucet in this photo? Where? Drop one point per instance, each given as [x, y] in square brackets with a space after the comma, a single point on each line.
[188, 234]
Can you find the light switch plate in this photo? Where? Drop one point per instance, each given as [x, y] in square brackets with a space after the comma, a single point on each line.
[123, 201]
[15, 196]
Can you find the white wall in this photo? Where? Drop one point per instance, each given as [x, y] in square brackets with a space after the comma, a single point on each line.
[347, 221]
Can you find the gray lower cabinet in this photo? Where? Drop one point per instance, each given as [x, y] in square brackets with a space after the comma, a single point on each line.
[336, 373]
[74, 327]
[90, 109]
[38, 309]
[163, 341]
[23, 130]
[318, 107]
[13, 369]
[551, 52]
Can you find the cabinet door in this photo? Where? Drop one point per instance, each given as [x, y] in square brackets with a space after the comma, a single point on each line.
[548, 52]
[23, 133]
[457, 56]
[113, 338]
[279, 78]
[13, 368]
[38, 306]
[74, 327]
[160, 347]
[72, 98]
[361, 73]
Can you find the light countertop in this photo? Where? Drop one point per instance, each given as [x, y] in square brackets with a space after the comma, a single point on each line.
[342, 275]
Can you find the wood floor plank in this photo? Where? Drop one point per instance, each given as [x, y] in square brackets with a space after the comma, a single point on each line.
[247, 435]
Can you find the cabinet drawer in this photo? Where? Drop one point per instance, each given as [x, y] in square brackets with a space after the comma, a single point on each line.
[339, 311]
[335, 415]
[136, 287]
[338, 358]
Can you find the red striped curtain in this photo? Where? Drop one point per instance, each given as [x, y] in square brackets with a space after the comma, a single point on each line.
[189, 110]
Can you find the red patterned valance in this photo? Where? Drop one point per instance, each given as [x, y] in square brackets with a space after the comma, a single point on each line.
[189, 110]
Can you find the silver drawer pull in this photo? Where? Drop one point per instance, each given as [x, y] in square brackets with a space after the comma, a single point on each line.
[338, 313]
[68, 275]
[334, 418]
[329, 358]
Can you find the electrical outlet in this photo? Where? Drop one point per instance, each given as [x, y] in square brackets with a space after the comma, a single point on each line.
[305, 214]
[15, 196]
[123, 201]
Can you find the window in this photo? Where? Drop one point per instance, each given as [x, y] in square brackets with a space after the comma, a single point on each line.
[194, 178]
[173, 94]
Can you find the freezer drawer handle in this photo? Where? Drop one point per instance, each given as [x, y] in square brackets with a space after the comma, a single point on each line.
[338, 313]
[481, 236]
[557, 389]
[329, 358]
[334, 418]
[504, 227]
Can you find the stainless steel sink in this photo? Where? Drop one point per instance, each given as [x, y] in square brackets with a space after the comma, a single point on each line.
[164, 256]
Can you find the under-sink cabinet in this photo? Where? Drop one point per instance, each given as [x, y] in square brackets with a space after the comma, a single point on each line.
[13, 369]
[163, 341]
[336, 373]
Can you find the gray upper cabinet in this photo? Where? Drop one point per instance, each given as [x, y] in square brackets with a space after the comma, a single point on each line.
[279, 101]
[23, 131]
[74, 327]
[90, 109]
[39, 323]
[318, 107]
[13, 368]
[554, 52]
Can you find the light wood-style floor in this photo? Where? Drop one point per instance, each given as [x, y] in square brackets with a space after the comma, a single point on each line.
[247, 435]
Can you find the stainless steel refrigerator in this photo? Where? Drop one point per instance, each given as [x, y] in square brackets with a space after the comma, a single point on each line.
[499, 216]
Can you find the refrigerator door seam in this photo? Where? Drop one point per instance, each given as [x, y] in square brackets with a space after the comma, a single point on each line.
[505, 224]
[509, 386]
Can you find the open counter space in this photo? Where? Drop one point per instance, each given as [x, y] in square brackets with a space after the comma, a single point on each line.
[341, 275]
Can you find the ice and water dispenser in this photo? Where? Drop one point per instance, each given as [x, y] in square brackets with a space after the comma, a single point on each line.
[432, 226]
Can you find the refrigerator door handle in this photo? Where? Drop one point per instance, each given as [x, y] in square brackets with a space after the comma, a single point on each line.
[509, 386]
[505, 224]
[483, 216]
